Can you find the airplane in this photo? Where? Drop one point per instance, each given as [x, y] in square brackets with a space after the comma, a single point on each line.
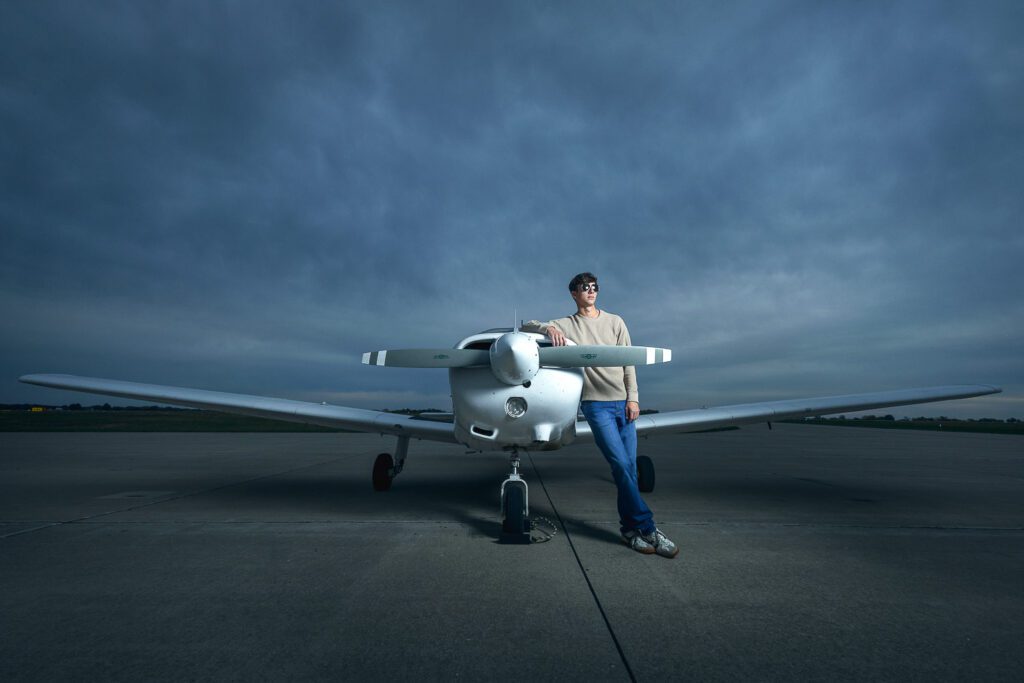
[511, 391]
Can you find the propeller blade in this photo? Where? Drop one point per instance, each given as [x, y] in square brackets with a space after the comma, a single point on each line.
[595, 356]
[427, 358]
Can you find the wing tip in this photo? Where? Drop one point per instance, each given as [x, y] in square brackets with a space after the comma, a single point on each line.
[35, 378]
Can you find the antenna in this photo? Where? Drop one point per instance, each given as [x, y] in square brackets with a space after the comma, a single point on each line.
[515, 317]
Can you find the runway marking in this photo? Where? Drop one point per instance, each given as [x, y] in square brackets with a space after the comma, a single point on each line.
[818, 525]
[135, 494]
[583, 571]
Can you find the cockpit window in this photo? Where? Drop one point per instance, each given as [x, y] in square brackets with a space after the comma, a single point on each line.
[485, 344]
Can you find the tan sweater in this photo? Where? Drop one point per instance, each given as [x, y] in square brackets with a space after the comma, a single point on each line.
[600, 384]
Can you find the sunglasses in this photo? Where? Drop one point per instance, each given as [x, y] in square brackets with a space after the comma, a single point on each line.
[592, 287]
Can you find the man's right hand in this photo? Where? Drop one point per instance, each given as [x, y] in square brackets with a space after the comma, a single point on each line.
[555, 335]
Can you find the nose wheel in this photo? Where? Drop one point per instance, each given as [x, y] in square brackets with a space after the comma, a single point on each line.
[515, 506]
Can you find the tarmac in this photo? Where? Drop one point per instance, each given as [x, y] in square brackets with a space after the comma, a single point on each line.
[807, 553]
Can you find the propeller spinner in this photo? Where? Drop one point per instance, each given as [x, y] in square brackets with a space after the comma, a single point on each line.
[515, 358]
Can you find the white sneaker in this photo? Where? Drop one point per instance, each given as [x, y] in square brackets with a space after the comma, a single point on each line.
[661, 544]
[636, 541]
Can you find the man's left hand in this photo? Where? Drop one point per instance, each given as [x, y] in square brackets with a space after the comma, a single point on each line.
[632, 410]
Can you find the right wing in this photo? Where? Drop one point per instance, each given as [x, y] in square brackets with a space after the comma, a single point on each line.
[356, 419]
[701, 419]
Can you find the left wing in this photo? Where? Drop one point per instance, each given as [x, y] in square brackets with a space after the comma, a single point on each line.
[356, 419]
[701, 419]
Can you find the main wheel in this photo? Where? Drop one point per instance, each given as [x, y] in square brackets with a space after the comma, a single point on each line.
[644, 473]
[514, 506]
[383, 467]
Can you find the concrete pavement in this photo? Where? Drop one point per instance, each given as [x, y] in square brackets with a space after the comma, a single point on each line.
[807, 552]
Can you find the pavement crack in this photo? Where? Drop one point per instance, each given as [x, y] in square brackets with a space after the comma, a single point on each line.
[583, 572]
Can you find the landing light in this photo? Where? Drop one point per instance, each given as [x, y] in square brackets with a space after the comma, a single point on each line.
[515, 407]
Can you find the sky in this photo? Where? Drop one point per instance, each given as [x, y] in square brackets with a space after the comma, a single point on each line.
[798, 198]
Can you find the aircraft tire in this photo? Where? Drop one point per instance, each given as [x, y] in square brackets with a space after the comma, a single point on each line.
[382, 468]
[644, 473]
[515, 500]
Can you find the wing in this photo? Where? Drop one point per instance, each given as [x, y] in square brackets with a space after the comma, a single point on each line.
[747, 413]
[260, 406]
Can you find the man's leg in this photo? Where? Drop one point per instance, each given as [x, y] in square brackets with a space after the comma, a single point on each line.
[617, 440]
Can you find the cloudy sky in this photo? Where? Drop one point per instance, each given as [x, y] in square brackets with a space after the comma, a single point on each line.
[798, 198]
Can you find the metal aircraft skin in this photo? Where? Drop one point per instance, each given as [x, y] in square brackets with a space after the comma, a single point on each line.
[481, 388]
[511, 391]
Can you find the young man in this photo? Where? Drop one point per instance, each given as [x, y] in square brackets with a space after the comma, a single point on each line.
[611, 403]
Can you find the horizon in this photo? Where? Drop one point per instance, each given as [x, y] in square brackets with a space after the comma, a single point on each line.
[895, 412]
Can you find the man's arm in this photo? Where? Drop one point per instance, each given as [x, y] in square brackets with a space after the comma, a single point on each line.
[549, 328]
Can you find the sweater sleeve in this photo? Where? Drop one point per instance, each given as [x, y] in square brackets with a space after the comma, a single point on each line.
[542, 327]
[534, 326]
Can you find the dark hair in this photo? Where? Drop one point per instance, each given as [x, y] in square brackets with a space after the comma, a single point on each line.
[581, 279]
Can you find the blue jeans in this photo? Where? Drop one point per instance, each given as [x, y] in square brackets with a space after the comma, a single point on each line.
[616, 437]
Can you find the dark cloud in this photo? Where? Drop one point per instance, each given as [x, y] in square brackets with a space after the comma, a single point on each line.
[796, 197]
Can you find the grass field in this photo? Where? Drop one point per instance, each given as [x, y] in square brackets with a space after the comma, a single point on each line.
[979, 426]
[144, 421]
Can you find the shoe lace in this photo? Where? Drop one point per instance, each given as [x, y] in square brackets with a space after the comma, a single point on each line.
[637, 539]
[656, 538]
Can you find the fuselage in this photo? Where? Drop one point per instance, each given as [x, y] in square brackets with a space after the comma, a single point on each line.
[514, 402]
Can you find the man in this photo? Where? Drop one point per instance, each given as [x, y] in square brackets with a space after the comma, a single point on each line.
[611, 404]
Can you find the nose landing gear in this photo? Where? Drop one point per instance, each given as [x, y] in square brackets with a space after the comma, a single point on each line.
[515, 494]
[515, 505]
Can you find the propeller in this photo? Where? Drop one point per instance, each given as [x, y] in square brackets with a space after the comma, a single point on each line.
[590, 356]
[595, 356]
[428, 358]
